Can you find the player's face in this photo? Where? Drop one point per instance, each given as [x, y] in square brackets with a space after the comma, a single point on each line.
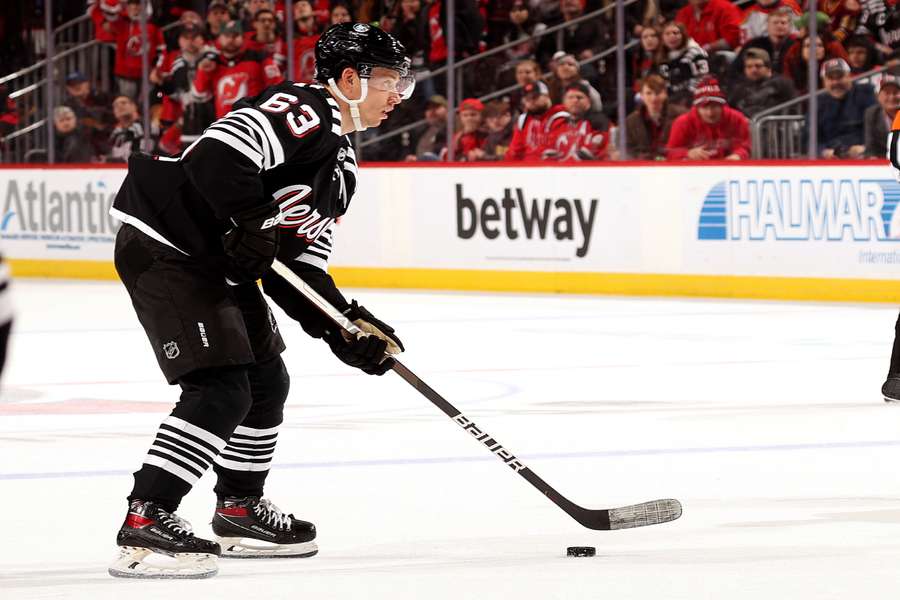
[381, 98]
[710, 112]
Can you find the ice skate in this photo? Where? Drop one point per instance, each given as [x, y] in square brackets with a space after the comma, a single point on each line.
[891, 389]
[156, 544]
[255, 528]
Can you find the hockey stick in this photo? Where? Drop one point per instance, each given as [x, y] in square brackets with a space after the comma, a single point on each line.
[625, 517]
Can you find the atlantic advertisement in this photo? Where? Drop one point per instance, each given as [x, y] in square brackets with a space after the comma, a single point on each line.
[804, 221]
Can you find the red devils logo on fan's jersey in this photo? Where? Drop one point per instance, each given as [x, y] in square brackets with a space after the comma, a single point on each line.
[133, 45]
[231, 88]
[297, 214]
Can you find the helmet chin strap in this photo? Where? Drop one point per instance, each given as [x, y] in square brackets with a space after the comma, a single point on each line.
[353, 104]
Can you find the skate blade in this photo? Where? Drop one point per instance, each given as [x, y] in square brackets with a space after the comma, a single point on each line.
[238, 547]
[144, 563]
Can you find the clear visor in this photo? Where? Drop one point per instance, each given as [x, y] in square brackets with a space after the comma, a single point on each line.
[404, 85]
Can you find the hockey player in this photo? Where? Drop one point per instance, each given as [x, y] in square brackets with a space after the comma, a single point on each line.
[891, 388]
[267, 180]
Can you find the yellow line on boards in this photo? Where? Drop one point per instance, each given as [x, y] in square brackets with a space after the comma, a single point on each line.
[625, 284]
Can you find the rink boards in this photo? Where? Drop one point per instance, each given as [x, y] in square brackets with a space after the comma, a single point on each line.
[816, 231]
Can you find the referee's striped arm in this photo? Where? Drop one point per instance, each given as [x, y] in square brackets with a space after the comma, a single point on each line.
[318, 252]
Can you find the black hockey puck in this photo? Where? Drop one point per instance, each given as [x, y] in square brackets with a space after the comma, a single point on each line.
[581, 551]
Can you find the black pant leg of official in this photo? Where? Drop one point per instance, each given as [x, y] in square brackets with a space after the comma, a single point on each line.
[243, 465]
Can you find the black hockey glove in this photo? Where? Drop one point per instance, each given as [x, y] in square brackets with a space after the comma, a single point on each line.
[372, 326]
[367, 353]
[251, 244]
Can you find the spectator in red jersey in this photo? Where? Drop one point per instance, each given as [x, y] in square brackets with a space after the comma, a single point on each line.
[879, 117]
[583, 136]
[684, 64]
[711, 130]
[233, 73]
[776, 42]
[714, 24]
[183, 118]
[306, 34]
[104, 13]
[71, 141]
[9, 116]
[646, 56]
[251, 8]
[565, 73]
[499, 124]
[340, 13]
[796, 61]
[468, 143]
[843, 17]
[647, 129]
[216, 16]
[128, 69]
[755, 21]
[536, 125]
[265, 39]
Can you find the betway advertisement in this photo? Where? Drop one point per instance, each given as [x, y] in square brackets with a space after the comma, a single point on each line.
[805, 221]
[828, 221]
[58, 214]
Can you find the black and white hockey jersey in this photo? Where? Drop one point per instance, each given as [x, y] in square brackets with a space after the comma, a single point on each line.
[283, 146]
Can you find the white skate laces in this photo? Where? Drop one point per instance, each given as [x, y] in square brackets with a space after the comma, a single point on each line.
[271, 515]
[175, 523]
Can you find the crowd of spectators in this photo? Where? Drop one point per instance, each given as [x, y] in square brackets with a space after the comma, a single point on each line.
[697, 72]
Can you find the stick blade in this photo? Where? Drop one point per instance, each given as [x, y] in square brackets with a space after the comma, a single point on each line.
[645, 513]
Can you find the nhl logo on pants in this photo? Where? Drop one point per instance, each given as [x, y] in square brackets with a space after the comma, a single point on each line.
[171, 350]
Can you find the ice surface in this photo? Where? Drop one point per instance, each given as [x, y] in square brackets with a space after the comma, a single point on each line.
[763, 418]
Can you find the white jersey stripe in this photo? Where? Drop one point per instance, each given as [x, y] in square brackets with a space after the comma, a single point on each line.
[241, 130]
[143, 227]
[187, 445]
[314, 261]
[277, 150]
[265, 145]
[213, 440]
[166, 465]
[236, 143]
[241, 430]
[242, 466]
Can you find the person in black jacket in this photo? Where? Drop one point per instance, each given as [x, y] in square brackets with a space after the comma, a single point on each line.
[759, 89]
[267, 180]
[841, 112]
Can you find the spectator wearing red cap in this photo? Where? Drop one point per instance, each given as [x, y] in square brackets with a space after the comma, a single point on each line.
[469, 141]
[648, 128]
[714, 24]
[684, 64]
[841, 112]
[583, 135]
[536, 125]
[878, 118]
[711, 130]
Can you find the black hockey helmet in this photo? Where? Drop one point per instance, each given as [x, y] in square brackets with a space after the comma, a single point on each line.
[361, 47]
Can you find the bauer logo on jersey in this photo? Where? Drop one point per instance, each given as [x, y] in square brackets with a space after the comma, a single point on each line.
[860, 210]
[296, 213]
[515, 215]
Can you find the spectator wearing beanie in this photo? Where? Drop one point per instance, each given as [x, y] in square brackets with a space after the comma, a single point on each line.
[649, 126]
[841, 112]
[469, 141]
[878, 118]
[759, 89]
[714, 24]
[711, 130]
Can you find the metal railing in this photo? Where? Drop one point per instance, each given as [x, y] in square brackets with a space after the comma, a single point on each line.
[22, 146]
[778, 135]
